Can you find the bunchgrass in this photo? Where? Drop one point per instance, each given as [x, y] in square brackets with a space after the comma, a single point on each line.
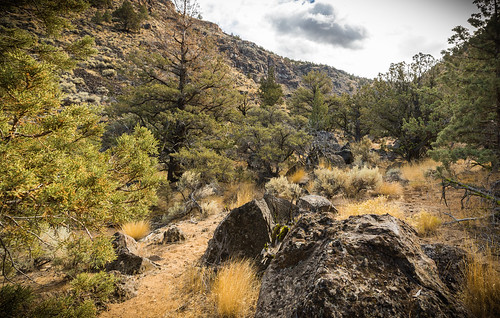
[426, 223]
[236, 289]
[379, 205]
[298, 176]
[481, 291]
[136, 229]
[390, 189]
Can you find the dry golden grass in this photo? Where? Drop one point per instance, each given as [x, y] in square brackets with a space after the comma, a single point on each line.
[236, 289]
[481, 293]
[426, 223]
[415, 172]
[136, 229]
[390, 189]
[231, 292]
[298, 176]
[211, 206]
[245, 192]
[379, 205]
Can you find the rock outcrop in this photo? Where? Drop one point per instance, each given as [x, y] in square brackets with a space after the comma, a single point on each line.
[127, 261]
[246, 230]
[450, 262]
[365, 266]
[165, 235]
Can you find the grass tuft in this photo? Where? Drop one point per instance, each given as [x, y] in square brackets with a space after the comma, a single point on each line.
[298, 176]
[390, 189]
[236, 289]
[136, 229]
[415, 173]
[426, 223]
[378, 205]
[481, 293]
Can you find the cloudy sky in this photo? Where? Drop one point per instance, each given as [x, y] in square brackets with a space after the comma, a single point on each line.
[361, 37]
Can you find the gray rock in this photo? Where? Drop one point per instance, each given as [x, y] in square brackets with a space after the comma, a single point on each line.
[450, 262]
[365, 266]
[316, 203]
[282, 210]
[126, 287]
[172, 235]
[127, 261]
[242, 234]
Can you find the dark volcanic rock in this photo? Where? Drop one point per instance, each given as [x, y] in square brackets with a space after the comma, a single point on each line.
[316, 203]
[282, 211]
[128, 262]
[450, 262]
[365, 266]
[243, 233]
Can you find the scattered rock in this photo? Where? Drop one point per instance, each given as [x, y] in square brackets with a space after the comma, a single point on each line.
[365, 266]
[316, 203]
[346, 154]
[128, 262]
[165, 235]
[450, 262]
[172, 235]
[126, 287]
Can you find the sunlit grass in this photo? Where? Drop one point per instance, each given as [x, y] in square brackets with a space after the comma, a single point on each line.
[136, 229]
[425, 223]
[236, 289]
[415, 173]
[390, 189]
[245, 192]
[481, 291]
[298, 176]
[379, 205]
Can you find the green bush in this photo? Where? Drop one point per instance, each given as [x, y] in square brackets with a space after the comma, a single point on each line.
[129, 18]
[15, 300]
[281, 187]
[83, 254]
[94, 287]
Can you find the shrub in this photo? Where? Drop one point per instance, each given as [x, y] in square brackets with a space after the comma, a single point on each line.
[282, 188]
[94, 287]
[362, 153]
[426, 223]
[358, 179]
[235, 289]
[378, 205]
[136, 229]
[128, 17]
[83, 254]
[15, 300]
[329, 182]
[481, 292]
[109, 72]
[241, 193]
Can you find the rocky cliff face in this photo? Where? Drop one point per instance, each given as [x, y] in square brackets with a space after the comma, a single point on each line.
[253, 61]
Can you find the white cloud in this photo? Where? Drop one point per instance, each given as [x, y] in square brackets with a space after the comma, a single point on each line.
[359, 36]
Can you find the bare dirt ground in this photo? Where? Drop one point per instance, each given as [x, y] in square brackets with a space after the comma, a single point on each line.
[157, 288]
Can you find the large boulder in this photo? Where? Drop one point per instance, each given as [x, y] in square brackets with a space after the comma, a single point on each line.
[315, 203]
[242, 234]
[282, 211]
[127, 261]
[450, 261]
[365, 266]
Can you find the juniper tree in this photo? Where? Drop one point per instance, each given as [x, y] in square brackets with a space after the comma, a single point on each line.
[471, 86]
[183, 95]
[53, 174]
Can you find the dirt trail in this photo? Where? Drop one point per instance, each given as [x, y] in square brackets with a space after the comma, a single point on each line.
[157, 287]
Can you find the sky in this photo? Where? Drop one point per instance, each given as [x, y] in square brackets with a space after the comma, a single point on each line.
[361, 37]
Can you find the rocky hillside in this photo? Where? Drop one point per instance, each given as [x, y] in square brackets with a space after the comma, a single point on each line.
[101, 77]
